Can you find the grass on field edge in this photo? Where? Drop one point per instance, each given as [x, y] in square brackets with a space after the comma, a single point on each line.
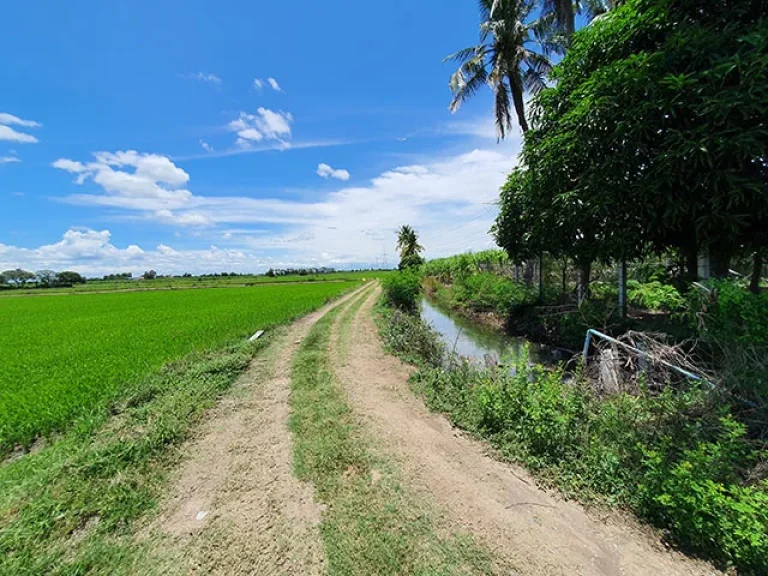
[372, 524]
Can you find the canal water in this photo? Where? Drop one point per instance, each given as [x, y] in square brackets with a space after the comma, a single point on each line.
[474, 341]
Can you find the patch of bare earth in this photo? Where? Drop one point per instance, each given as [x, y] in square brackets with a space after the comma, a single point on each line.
[235, 506]
[500, 504]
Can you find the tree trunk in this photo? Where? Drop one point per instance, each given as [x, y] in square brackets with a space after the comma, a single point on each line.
[691, 256]
[585, 270]
[757, 269]
[541, 279]
[623, 288]
[566, 18]
[719, 262]
[565, 278]
[516, 86]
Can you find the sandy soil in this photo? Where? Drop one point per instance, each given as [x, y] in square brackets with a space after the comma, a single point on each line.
[235, 506]
[537, 532]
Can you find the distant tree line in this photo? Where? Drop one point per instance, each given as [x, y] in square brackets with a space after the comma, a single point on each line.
[19, 278]
[272, 273]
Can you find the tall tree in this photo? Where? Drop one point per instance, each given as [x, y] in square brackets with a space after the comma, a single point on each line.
[504, 60]
[653, 137]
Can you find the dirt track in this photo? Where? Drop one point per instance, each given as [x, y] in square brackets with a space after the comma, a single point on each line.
[236, 508]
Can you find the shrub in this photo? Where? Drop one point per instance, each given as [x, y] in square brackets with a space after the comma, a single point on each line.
[402, 290]
[654, 295]
[485, 291]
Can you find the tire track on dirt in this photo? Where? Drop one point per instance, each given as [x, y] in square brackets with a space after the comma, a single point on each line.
[499, 503]
[236, 507]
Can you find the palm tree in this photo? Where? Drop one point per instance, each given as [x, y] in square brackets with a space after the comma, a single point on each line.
[564, 12]
[503, 60]
[408, 242]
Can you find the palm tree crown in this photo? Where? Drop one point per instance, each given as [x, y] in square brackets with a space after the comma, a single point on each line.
[408, 241]
[503, 59]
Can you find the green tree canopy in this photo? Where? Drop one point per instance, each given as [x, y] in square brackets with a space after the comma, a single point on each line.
[654, 136]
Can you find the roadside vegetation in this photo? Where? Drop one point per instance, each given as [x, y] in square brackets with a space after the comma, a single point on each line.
[688, 459]
[371, 524]
[67, 361]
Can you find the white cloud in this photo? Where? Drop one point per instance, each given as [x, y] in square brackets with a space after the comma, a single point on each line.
[10, 135]
[10, 119]
[264, 125]
[260, 83]
[449, 199]
[325, 171]
[205, 146]
[154, 183]
[92, 253]
[9, 159]
[202, 77]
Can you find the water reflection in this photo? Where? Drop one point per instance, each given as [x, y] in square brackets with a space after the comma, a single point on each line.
[475, 341]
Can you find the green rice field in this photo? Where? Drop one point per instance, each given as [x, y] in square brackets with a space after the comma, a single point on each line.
[65, 357]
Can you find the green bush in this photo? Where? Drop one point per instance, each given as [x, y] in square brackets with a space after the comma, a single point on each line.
[488, 292]
[729, 313]
[654, 295]
[402, 290]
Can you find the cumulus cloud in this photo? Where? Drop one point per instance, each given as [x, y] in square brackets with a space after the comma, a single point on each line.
[202, 77]
[92, 253]
[205, 146]
[273, 83]
[325, 171]
[11, 135]
[131, 180]
[264, 125]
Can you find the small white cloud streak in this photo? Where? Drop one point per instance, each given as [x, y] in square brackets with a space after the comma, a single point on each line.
[202, 77]
[11, 120]
[9, 160]
[273, 83]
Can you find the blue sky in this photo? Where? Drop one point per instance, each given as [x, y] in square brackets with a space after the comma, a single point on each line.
[207, 136]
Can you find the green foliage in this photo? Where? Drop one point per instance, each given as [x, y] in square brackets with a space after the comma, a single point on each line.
[68, 278]
[65, 358]
[412, 261]
[651, 137]
[402, 290]
[730, 314]
[455, 268]
[406, 336]
[654, 295]
[487, 292]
